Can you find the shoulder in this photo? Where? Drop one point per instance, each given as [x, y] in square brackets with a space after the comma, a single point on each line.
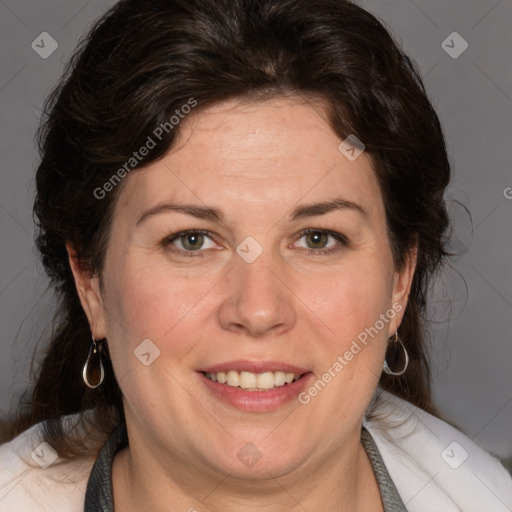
[433, 465]
[33, 476]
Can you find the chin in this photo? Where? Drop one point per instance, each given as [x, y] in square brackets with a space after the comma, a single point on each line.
[258, 460]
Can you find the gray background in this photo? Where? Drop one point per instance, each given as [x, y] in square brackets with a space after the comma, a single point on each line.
[472, 305]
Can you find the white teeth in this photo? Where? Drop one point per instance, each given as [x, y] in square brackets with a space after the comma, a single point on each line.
[253, 381]
[247, 380]
[279, 379]
[265, 380]
[233, 378]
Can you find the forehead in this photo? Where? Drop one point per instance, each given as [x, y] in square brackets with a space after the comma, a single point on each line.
[263, 137]
[253, 152]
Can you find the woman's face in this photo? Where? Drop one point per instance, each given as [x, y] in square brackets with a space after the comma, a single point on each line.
[286, 268]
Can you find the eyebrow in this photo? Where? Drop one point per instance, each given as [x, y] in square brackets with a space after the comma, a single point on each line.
[215, 215]
[200, 212]
[313, 209]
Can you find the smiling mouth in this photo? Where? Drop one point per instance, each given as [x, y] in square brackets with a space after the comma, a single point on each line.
[249, 381]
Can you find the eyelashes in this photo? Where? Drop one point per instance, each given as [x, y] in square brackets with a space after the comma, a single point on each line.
[196, 242]
[190, 239]
[321, 235]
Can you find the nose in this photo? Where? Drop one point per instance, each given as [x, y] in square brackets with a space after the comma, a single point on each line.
[257, 303]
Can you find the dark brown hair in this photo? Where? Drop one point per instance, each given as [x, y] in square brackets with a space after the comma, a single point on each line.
[144, 60]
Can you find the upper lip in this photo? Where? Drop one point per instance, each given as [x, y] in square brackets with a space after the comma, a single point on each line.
[255, 367]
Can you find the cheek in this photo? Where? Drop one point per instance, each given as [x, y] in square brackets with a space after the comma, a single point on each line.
[149, 301]
[351, 301]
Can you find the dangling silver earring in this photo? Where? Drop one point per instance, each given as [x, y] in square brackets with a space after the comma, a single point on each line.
[387, 369]
[93, 372]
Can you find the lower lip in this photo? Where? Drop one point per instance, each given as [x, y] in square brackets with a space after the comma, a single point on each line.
[257, 401]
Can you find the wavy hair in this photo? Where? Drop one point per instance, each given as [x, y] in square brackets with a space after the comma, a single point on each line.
[140, 63]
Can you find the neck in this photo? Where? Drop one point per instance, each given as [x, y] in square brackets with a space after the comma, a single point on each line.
[343, 482]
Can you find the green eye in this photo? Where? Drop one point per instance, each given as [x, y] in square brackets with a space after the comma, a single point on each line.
[316, 239]
[192, 241]
[321, 242]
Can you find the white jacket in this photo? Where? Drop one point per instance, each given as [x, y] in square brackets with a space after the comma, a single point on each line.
[434, 467]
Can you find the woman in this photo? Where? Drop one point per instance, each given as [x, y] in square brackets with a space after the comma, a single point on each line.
[241, 206]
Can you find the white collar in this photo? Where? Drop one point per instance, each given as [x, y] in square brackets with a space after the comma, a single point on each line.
[434, 466]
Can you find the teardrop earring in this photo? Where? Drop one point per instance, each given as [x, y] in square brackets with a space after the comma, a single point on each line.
[93, 372]
[387, 369]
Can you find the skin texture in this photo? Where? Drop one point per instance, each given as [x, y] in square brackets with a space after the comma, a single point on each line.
[255, 162]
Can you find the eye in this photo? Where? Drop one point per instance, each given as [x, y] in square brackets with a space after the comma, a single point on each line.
[190, 241]
[319, 241]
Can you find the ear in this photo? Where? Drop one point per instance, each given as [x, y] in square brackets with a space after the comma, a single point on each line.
[402, 282]
[88, 288]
